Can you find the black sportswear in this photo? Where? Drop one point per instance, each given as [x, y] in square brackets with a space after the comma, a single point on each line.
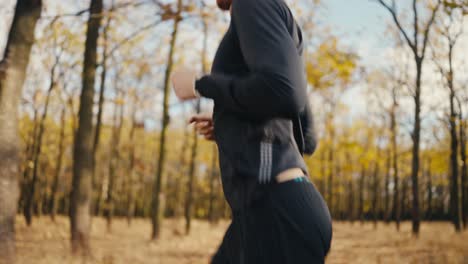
[288, 224]
[262, 118]
[263, 125]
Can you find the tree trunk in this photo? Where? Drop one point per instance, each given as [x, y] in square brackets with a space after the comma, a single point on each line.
[81, 195]
[404, 195]
[331, 162]
[351, 215]
[178, 190]
[429, 190]
[375, 192]
[350, 212]
[455, 208]
[31, 186]
[156, 204]
[342, 183]
[330, 179]
[30, 147]
[418, 46]
[193, 160]
[130, 171]
[100, 195]
[386, 190]
[97, 129]
[361, 194]
[464, 171]
[211, 208]
[12, 76]
[415, 152]
[26, 179]
[113, 162]
[396, 193]
[339, 193]
[73, 116]
[58, 169]
[191, 179]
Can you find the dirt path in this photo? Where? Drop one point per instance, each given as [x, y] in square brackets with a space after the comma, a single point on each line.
[48, 243]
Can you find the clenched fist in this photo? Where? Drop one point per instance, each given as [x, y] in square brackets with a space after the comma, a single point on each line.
[203, 125]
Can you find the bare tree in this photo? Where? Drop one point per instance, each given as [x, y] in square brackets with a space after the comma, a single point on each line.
[376, 185]
[97, 128]
[36, 153]
[449, 27]
[12, 75]
[193, 159]
[428, 175]
[114, 157]
[361, 182]
[418, 45]
[394, 151]
[156, 199]
[58, 168]
[388, 170]
[131, 159]
[182, 170]
[464, 168]
[398, 76]
[80, 198]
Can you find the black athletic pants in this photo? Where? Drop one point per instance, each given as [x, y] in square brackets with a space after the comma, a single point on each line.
[289, 224]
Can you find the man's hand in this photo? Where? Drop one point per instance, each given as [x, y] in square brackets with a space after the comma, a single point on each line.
[183, 82]
[203, 125]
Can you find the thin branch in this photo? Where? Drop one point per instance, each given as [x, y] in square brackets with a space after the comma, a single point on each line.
[132, 35]
[416, 24]
[392, 11]
[86, 10]
[428, 27]
[54, 18]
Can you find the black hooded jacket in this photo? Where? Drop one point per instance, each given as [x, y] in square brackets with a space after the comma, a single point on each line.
[263, 122]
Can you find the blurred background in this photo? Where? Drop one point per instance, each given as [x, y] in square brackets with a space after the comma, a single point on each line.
[95, 147]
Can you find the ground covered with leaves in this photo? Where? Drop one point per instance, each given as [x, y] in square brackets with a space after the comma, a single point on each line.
[46, 242]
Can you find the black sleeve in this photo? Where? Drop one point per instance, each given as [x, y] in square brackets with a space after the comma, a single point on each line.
[308, 130]
[275, 85]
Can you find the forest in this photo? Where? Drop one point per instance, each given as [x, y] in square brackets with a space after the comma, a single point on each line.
[95, 147]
